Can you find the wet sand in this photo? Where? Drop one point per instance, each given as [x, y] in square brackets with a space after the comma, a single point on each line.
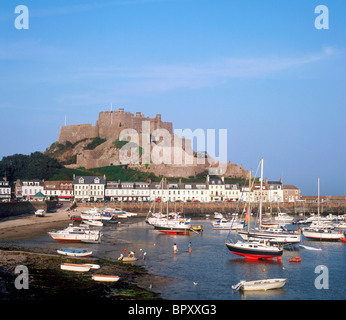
[134, 284]
[28, 225]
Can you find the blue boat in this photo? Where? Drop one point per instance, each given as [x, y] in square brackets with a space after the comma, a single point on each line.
[74, 252]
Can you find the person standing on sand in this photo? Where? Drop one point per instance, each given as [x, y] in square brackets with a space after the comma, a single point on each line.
[175, 248]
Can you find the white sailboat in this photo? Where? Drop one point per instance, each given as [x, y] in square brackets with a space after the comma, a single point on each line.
[318, 231]
[255, 250]
[274, 235]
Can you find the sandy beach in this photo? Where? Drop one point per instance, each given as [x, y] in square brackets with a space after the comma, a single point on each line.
[28, 225]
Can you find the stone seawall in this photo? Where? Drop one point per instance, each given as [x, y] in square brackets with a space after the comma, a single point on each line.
[201, 209]
[8, 209]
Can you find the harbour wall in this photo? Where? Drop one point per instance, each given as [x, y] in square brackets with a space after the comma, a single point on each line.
[8, 209]
[201, 209]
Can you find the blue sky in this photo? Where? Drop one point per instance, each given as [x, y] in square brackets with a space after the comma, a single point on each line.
[259, 69]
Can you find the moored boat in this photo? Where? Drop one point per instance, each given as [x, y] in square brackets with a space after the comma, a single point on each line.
[255, 250]
[105, 278]
[74, 252]
[224, 224]
[75, 267]
[319, 230]
[257, 285]
[76, 234]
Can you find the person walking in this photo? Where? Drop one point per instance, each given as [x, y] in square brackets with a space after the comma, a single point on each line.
[190, 247]
[175, 248]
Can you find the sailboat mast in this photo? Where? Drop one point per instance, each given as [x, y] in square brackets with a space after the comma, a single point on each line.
[260, 208]
[248, 223]
[318, 197]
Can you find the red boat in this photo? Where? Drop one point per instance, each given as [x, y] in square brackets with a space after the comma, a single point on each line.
[255, 250]
[76, 218]
[343, 239]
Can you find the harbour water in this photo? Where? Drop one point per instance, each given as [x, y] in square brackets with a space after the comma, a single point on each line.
[209, 272]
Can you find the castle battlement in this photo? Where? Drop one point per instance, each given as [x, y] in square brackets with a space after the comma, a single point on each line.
[109, 124]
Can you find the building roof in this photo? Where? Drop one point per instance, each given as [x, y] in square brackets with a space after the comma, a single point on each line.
[39, 195]
[89, 180]
[289, 186]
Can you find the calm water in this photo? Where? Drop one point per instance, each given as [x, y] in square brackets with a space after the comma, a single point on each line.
[213, 267]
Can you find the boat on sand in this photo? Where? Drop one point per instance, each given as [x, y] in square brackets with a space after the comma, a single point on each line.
[75, 267]
[105, 278]
[74, 252]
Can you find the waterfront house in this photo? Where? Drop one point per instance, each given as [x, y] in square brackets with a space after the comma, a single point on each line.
[5, 190]
[28, 188]
[275, 189]
[178, 191]
[291, 193]
[232, 192]
[89, 188]
[127, 191]
[59, 190]
[216, 188]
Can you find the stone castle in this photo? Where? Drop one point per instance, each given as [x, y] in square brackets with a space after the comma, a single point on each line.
[109, 126]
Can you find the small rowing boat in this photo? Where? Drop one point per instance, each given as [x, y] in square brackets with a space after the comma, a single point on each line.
[74, 252]
[258, 285]
[75, 267]
[105, 278]
[127, 259]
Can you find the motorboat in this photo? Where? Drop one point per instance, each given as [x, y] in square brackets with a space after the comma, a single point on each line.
[224, 224]
[74, 252]
[284, 217]
[257, 285]
[218, 215]
[76, 234]
[94, 223]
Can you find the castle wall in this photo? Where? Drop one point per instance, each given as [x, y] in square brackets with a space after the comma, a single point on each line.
[110, 124]
[77, 132]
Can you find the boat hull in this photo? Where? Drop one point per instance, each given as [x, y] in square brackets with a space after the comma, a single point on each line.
[322, 235]
[254, 254]
[74, 253]
[274, 238]
[75, 267]
[184, 229]
[262, 285]
[105, 278]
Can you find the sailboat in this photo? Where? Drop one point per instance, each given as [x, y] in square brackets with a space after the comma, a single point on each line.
[318, 231]
[275, 235]
[259, 249]
[173, 223]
